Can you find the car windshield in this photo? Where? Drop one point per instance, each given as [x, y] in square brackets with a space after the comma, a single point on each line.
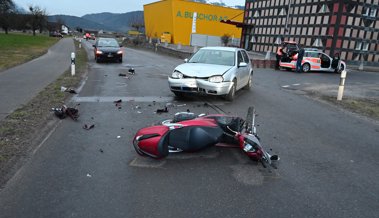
[218, 57]
[108, 43]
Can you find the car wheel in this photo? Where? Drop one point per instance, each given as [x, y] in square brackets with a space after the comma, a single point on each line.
[249, 83]
[232, 92]
[120, 60]
[340, 70]
[97, 60]
[306, 67]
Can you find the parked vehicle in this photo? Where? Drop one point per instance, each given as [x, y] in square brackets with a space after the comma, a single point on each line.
[107, 49]
[55, 34]
[315, 60]
[187, 132]
[92, 36]
[213, 71]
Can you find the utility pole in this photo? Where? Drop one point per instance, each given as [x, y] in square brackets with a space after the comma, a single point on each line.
[286, 31]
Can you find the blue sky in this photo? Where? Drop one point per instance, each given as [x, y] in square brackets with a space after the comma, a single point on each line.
[82, 7]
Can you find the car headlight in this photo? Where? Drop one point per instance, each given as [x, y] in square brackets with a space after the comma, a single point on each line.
[216, 79]
[119, 52]
[177, 75]
[99, 52]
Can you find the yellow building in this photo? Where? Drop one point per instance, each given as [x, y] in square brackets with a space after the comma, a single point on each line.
[176, 17]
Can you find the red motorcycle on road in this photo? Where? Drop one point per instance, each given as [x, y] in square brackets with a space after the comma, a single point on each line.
[188, 132]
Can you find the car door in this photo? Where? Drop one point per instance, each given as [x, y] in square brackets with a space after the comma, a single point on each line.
[325, 61]
[242, 71]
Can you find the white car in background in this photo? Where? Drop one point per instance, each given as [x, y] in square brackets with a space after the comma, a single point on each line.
[213, 71]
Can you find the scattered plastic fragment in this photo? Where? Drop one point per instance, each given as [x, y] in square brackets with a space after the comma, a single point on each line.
[89, 175]
[70, 90]
[118, 103]
[88, 127]
[181, 105]
[65, 111]
[118, 136]
[131, 71]
[101, 150]
[139, 112]
[165, 110]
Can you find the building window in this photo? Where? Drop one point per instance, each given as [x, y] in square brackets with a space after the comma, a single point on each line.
[318, 43]
[358, 46]
[282, 12]
[373, 12]
[319, 20]
[365, 46]
[296, 10]
[310, 31]
[323, 31]
[365, 11]
[347, 32]
[314, 9]
[324, 9]
[357, 21]
[350, 20]
[312, 21]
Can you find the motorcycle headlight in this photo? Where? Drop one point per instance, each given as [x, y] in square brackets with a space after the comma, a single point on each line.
[119, 52]
[216, 79]
[177, 75]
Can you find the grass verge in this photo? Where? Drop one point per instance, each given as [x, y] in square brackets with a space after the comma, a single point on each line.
[365, 106]
[20, 48]
[21, 131]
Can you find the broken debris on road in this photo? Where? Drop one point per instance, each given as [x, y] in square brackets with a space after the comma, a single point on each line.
[65, 111]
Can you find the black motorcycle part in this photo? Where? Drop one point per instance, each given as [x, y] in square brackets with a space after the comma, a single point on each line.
[194, 138]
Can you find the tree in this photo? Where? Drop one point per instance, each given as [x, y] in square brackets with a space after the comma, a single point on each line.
[138, 26]
[225, 39]
[38, 19]
[7, 8]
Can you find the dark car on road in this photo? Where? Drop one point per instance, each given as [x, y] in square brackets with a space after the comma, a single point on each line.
[55, 34]
[107, 49]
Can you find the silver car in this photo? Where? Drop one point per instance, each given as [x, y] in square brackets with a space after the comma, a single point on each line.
[213, 71]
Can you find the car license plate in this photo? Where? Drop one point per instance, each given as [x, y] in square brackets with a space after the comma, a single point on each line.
[191, 83]
[247, 147]
[110, 55]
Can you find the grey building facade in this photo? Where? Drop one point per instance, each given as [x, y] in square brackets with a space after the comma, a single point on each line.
[348, 27]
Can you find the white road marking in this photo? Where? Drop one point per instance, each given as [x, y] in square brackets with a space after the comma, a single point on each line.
[124, 99]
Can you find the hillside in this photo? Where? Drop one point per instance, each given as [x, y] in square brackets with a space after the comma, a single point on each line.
[102, 21]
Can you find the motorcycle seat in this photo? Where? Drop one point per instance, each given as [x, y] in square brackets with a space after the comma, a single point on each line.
[192, 138]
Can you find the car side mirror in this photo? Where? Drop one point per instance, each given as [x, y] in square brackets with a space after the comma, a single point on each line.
[242, 64]
[121, 46]
[94, 46]
[186, 60]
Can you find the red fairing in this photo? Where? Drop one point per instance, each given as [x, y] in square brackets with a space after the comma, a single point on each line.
[256, 155]
[199, 122]
[149, 145]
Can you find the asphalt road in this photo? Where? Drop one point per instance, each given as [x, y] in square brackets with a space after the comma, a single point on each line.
[20, 84]
[328, 157]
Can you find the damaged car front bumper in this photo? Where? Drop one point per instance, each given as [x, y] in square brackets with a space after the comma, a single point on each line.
[201, 86]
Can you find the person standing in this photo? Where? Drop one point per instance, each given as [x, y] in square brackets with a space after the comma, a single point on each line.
[300, 56]
[279, 55]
